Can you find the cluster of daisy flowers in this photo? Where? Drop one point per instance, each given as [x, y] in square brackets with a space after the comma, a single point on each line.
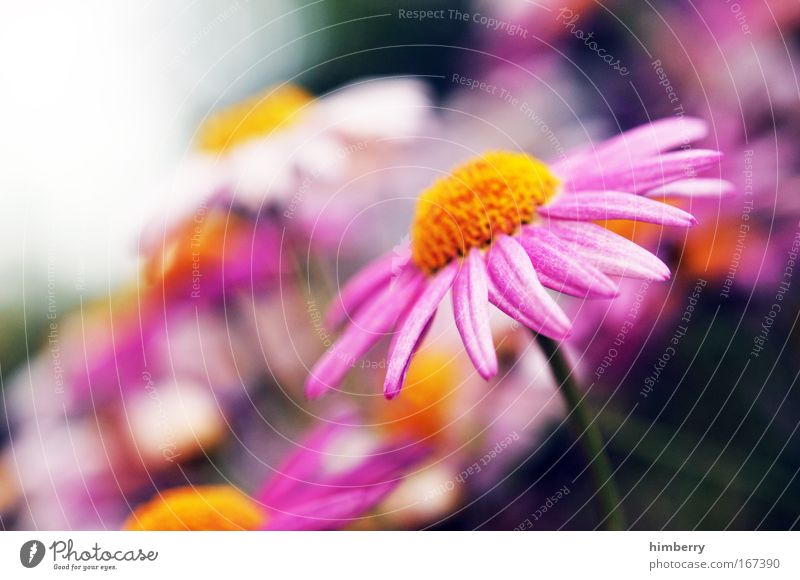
[504, 230]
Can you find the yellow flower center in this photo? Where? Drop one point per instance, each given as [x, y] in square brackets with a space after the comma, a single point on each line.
[258, 116]
[487, 196]
[204, 508]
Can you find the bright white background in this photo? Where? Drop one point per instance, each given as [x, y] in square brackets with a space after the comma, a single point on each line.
[99, 100]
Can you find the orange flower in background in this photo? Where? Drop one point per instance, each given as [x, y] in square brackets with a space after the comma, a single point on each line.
[433, 385]
[211, 507]
[215, 250]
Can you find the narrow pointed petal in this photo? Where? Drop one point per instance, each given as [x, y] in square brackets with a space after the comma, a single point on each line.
[645, 174]
[361, 287]
[517, 285]
[653, 138]
[367, 328]
[413, 326]
[559, 269]
[698, 188]
[497, 298]
[639, 143]
[404, 372]
[608, 252]
[612, 205]
[470, 309]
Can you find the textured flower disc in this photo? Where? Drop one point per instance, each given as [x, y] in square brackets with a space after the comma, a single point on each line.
[487, 196]
[201, 508]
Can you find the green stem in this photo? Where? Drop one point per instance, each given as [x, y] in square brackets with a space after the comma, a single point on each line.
[588, 435]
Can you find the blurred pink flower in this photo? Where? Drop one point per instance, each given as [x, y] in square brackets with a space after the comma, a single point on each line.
[311, 490]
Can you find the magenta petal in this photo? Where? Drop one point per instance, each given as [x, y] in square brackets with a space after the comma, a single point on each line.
[653, 138]
[612, 205]
[360, 287]
[694, 188]
[386, 464]
[639, 143]
[609, 252]
[304, 464]
[330, 512]
[470, 300]
[497, 298]
[517, 285]
[417, 344]
[559, 269]
[412, 327]
[368, 327]
[645, 174]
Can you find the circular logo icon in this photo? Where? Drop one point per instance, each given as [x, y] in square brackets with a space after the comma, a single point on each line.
[31, 553]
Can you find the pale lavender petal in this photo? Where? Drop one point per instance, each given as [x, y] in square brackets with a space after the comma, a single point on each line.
[412, 327]
[613, 205]
[698, 188]
[645, 174]
[514, 278]
[470, 301]
[609, 252]
[367, 328]
[361, 287]
[558, 268]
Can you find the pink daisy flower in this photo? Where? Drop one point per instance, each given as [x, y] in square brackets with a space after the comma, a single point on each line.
[505, 227]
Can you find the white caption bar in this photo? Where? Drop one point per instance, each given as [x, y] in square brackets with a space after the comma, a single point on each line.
[357, 555]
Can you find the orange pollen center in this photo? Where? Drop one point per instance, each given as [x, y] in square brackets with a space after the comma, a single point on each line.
[489, 195]
[271, 110]
[198, 508]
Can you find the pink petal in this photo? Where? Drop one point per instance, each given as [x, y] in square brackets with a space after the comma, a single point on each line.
[518, 287]
[612, 205]
[368, 327]
[384, 465]
[470, 299]
[361, 287]
[694, 188]
[609, 252]
[303, 464]
[497, 298]
[645, 174]
[638, 143]
[330, 512]
[410, 330]
[559, 269]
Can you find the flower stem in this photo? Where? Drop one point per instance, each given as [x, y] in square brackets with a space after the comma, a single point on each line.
[588, 435]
